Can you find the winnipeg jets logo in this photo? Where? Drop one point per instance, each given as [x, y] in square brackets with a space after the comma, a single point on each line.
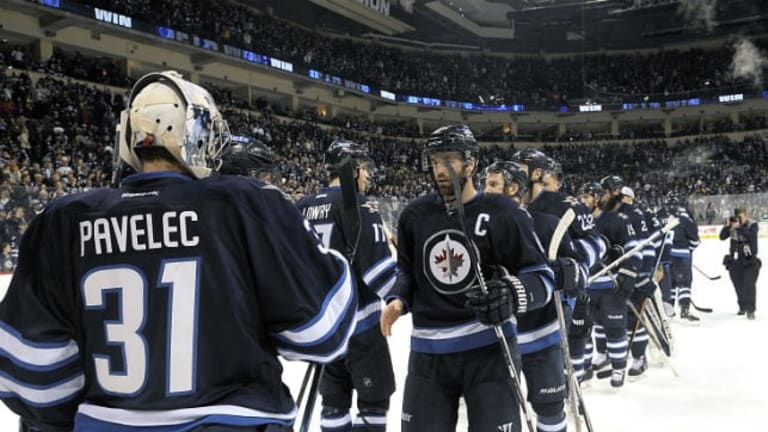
[447, 263]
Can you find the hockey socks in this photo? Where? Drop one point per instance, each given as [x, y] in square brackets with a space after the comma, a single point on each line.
[557, 423]
[335, 420]
[369, 420]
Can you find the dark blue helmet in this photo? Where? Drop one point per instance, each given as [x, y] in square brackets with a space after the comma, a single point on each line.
[555, 169]
[247, 156]
[591, 188]
[513, 172]
[341, 149]
[532, 158]
[672, 200]
[611, 182]
[453, 138]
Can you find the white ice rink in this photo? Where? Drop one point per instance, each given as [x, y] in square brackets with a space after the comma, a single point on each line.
[723, 385]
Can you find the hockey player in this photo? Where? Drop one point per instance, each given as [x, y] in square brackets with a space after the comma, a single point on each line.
[607, 297]
[742, 262]
[161, 305]
[665, 283]
[552, 180]
[644, 287]
[454, 349]
[367, 368]
[539, 331]
[250, 157]
[685, 239]
[589, 195]
[542, 171]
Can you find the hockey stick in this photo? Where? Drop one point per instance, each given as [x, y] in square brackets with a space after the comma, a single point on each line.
[671, 224]
[659, 326]
[700, 308]
[636, 327]
[352, 231]
[653, 338]
[475, 258]
[666, 328]
[575, 397]
[712, 278]
[657, 304]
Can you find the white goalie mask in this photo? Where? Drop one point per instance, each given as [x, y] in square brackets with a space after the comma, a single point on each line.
[168, 111]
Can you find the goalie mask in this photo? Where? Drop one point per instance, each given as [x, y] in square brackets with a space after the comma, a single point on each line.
[164, 110]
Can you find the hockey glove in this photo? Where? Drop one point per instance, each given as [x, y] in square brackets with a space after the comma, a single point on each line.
[506, 295]
[645, 287]
[569, 278]
[614, 252]
[625, 283]
[581, 319]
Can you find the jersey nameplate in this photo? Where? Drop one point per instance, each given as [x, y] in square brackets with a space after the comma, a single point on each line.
[138, 232]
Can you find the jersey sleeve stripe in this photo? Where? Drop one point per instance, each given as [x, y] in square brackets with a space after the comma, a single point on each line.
[41, 395]
[325, 356]
[385, 288]
[326, 322]
[141, 418]
[378, 269]
[541, 268]
[34, 355]
[587, 249]
[594, 247]
[545, 274]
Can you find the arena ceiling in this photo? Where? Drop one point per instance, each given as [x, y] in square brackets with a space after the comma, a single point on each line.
[530, 25]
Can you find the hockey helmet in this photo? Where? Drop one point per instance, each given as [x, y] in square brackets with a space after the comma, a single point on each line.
[611, 182]
[591, 188]
[513, 172]
[247, 156]
[554, 168]
[165, 110]
[532, 158]
[458, 138]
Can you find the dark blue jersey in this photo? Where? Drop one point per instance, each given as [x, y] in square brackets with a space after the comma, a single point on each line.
[666, 246]
[540, 328]
[586, 239]
[654, 224]
[618, 231]
[170, 295]
[435, 269]
[686, 236]
[642, 232]
[373, 265]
